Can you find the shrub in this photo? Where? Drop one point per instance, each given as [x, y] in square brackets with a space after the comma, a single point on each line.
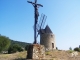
[70, 51]
[14, 48]
[77, 49]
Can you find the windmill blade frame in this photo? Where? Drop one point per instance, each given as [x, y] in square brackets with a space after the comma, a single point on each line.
[41, 23]
[38, 24]
[44, 22]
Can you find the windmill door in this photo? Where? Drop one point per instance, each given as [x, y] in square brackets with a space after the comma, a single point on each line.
[52, 45]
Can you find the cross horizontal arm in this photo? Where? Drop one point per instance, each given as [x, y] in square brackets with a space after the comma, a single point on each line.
[40, 5]
[29, 2]
[35, 3]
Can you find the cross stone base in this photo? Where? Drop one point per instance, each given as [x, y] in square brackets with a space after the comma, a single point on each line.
[36, 51]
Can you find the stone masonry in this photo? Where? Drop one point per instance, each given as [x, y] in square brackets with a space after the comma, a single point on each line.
[36, 51]
[48, 40]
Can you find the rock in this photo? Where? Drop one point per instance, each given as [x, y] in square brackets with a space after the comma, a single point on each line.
[74, 54]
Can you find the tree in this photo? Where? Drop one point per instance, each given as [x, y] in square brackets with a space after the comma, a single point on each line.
[79, 46]
[56, 48]
[70, 48]
[4, 43]
[26, 48]
[14, 48]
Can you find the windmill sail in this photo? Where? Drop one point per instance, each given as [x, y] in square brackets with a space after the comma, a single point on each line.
[44, 22]
[41, 23]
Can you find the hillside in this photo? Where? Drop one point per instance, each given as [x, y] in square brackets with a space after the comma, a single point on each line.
[22, 44]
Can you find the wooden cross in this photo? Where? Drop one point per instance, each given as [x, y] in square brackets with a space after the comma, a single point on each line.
[36, 15]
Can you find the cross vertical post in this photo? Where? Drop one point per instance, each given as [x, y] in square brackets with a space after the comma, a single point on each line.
[36, 14]
[35, 8]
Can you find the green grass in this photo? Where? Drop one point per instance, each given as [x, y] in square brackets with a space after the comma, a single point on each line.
[71, 51]
[47, 52]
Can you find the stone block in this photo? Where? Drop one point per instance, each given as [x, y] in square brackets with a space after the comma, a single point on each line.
[36, 51]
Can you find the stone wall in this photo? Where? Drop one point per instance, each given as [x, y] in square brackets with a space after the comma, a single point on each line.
[36, 51]
[48, 40]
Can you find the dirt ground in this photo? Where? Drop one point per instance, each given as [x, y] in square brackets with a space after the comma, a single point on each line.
[62, 55]
[50, 55]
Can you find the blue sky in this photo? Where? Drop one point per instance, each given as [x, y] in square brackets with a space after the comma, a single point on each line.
[63, 17]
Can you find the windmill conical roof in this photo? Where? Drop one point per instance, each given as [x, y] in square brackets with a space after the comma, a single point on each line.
[47, 29]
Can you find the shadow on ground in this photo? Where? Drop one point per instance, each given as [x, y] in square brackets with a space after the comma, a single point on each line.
[20, 59]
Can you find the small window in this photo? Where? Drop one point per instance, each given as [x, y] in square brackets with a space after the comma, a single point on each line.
[52, 45]
[51, 35]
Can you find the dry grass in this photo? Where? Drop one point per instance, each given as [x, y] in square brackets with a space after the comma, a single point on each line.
[50, 55]
[14, 56]
[62, 55]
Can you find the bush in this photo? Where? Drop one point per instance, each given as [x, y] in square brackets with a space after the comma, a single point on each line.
[77, 49]
[70, 51]
[14, 48]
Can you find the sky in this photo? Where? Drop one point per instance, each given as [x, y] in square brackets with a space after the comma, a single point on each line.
[63, 17]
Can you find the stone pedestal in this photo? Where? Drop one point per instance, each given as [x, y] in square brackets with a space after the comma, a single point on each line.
[36, 51]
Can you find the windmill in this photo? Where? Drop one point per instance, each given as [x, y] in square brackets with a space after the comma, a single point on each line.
[40, 24]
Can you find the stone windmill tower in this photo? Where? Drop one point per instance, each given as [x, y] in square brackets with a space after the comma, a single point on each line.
[47, 37]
